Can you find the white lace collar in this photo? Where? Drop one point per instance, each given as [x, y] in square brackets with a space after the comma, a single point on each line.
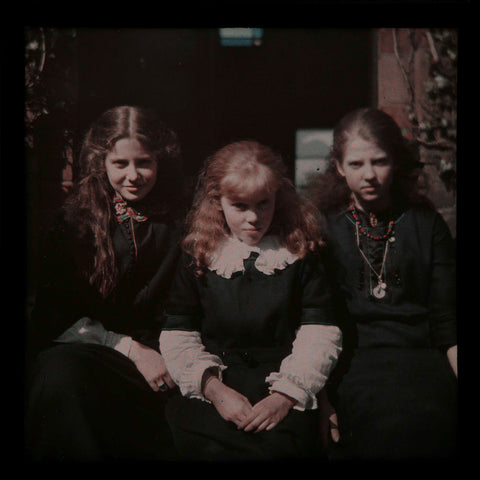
[229, 256]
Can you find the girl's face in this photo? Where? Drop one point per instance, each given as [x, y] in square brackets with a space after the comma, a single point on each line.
[368, 171]
[249, 215]
[131, 170]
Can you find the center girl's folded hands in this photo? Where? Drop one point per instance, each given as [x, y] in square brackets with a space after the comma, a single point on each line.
[268, 413]
[230, 404]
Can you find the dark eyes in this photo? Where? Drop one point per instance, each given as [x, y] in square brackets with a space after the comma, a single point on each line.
[244, 206]
[144, 162]
[354, 164]
[240, 206]
[376, 162]
[120, 163]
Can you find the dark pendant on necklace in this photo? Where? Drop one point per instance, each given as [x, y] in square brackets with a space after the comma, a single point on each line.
[373, 220]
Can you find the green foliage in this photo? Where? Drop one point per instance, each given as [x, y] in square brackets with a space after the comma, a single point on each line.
[50, 81]
[436, 131]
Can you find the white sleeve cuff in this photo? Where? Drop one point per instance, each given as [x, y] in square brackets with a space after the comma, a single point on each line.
[187, 360]
[305, 371]
[91, 331]
[121, 343]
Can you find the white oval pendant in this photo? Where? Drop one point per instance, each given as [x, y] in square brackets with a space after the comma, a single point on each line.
[379, 291]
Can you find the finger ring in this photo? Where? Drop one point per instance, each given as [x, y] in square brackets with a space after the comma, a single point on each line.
[161, 385]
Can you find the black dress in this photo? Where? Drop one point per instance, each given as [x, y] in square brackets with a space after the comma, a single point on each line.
[393, 389]
[249, 321]
[88, 401]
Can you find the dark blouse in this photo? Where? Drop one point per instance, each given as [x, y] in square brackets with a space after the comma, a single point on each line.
[146, 253]
[418, 309]
[250, 309]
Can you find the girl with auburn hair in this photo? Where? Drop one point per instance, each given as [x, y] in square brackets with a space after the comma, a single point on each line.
[99, 383]
[247, 167]
[393, 264]
[249, 337]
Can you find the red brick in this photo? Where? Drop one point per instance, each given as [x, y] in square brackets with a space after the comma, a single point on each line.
[386, 43]
[392, 86]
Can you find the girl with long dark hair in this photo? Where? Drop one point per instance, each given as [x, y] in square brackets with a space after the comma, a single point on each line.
[99, 383]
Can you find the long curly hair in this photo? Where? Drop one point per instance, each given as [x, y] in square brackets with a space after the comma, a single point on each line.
[241, 167]
[90, 205]
[329, 191]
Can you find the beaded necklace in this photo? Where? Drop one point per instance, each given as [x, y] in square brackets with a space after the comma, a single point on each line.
[364, 230]
[380, 290]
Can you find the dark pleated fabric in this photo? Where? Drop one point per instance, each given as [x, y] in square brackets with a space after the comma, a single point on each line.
[397, 394]
[90, 403]
[397, 403]
[202, 434]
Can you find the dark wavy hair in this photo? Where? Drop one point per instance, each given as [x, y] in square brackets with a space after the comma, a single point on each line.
[90, 205]
[329, 191]
[247, 166]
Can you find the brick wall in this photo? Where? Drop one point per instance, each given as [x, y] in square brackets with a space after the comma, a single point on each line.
[404, 58]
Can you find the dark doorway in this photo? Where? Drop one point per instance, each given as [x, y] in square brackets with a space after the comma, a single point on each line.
[212, 94]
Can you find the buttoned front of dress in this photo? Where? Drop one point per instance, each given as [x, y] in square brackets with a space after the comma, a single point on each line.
[411, 290]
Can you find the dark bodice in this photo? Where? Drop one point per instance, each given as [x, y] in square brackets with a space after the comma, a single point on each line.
[250, 309]
[146, 255]
[418, 308]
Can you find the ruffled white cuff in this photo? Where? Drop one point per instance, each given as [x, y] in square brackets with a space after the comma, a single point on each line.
[305, 371]
[186, 360]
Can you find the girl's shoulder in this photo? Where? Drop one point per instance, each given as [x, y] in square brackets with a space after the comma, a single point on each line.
[61, 239]
[62, 226]
[425, 215]
[174, 226]
[336, 217]
[429, 222]
[421, 210]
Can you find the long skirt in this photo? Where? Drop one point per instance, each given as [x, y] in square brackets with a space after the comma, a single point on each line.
[397, 403]
[201, 434]
[90, 403]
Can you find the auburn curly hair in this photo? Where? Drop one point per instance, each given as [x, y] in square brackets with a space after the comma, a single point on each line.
[241, 167]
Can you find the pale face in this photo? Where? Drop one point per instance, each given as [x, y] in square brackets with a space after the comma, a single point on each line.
[249, 216]
[131, 170]
[368, 171]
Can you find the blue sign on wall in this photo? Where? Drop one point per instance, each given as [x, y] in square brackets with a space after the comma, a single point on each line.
[241, 37]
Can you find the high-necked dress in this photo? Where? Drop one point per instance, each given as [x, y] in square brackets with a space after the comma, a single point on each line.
[87, 400]
[393, 388]
[260, 318]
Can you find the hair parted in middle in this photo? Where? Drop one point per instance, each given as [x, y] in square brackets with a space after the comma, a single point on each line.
[329, 191]
[89, 206]
[242, 167]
